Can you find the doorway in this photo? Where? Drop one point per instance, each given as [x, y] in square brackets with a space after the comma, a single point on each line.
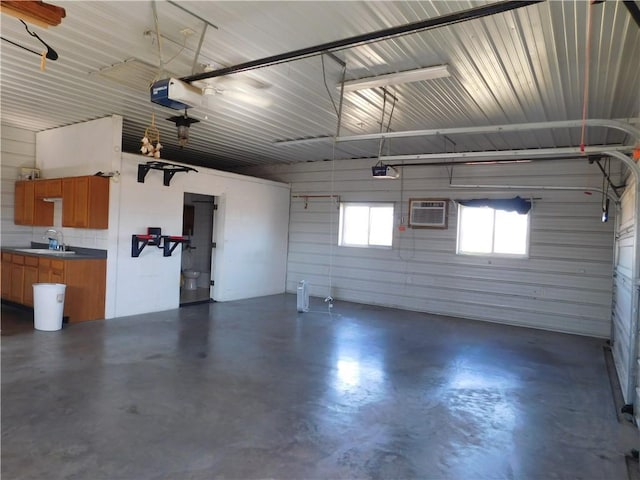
[197, 254]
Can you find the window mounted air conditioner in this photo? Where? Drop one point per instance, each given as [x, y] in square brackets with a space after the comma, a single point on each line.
[428, 213]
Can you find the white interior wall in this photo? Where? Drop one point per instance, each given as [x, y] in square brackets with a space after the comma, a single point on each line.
[565, 284]
[18, 150]
[252, 220]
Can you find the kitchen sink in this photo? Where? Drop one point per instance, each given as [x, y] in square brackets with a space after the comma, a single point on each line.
[45, 251]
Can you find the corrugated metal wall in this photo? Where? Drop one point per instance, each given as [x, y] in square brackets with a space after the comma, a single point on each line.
[623, 289]
[18, 150]
[565, 285]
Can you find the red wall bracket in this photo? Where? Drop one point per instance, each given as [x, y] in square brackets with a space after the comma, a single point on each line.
[168, 243]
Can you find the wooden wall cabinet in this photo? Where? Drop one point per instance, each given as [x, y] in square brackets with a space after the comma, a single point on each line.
[24, 203]
[49, 188]
[43, 210]
[85, 281]
[85, 202]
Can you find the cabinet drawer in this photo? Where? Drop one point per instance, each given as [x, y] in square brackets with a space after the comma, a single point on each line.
[17, 259]
[31, 261]
[44, 262]
[6, 257]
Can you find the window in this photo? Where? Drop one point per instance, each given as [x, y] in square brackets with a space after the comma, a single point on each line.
[366, 225]
[488, 231]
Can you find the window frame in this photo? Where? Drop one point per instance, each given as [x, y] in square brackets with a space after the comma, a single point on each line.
[343, 205]
[493, 254]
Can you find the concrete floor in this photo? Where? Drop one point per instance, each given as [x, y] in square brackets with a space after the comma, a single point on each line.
[194, 296]
[251, 389]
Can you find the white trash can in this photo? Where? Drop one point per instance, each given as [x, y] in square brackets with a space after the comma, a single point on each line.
[48, 305]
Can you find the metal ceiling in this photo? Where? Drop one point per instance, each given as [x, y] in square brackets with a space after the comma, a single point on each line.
[526, 65]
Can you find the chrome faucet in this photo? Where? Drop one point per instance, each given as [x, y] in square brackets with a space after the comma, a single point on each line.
[59, 238]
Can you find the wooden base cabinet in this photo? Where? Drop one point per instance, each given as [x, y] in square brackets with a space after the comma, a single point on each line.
[16, 285]
[85, 281]
[5, 287]
[30, 277]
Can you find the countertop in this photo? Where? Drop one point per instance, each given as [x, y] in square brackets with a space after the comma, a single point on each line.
[81, 253]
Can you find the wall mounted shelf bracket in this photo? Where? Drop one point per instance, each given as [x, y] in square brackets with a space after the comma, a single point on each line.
[169, 170]
[167, 243]
[139, 241]
[170, 243]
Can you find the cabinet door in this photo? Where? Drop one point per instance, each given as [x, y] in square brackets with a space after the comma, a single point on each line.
[42, 211]
[29, 202]
[52, 188]
[17, 281]
[6, 275]
[56, 274]
[44, 270]
[81, 202]
[75, 202]
[98, 213]
[30, 277]
[68, 192]
[85, 202]
[18, 204]
[49, 188]
[24, 203]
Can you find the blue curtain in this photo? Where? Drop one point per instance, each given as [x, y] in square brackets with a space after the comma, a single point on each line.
[515, 204]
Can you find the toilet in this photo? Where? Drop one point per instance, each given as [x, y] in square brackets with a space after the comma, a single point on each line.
[189, 275]
[205, 280]
[190, 279]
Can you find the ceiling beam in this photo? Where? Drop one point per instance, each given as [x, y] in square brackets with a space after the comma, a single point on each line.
[431, 23]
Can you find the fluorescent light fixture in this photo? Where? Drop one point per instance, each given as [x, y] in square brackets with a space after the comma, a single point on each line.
[408, 76]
